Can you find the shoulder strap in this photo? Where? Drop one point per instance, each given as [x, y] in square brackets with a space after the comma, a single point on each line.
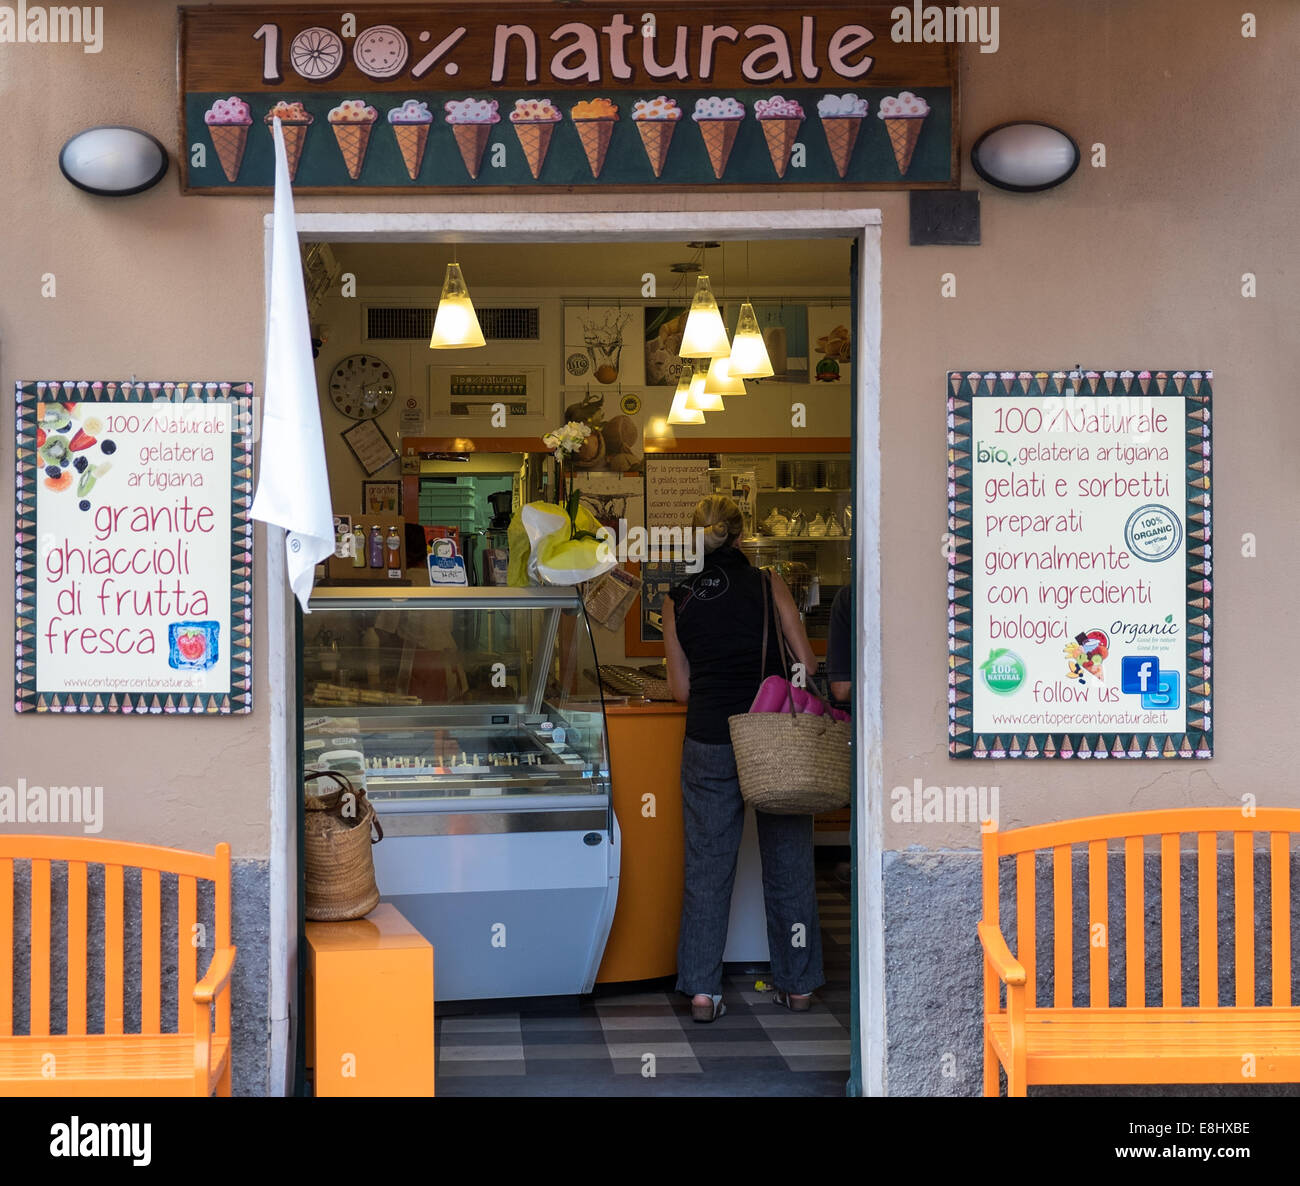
[769, 613]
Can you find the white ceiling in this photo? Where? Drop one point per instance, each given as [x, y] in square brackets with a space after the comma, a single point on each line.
[820, 265]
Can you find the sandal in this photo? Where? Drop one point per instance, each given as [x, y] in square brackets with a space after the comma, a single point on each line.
[710, 1012]
[795, 1002]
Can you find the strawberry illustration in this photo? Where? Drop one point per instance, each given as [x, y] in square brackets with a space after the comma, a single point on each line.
[82, 440]
[40, 437]
[191, 645]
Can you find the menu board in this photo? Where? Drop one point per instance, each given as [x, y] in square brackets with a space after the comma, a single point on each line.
[1079, 564]
[133, 564]
[673, 485]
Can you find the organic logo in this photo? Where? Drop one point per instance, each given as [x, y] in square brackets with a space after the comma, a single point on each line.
[1003, 671]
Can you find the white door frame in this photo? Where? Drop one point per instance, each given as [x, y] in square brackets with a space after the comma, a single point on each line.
[863, 226]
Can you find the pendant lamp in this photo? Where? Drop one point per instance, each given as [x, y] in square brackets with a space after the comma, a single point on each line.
[699, 399]
[659, 434]
[456, 326]
[720, 381]
[749, 358]
[679, 413]
[705, 335]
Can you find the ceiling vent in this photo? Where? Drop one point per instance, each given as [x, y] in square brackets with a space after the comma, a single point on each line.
[408, 323]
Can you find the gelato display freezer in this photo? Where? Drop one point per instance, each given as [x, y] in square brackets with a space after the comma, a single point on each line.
[474, 720]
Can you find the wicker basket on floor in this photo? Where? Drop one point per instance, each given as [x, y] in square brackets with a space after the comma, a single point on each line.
[339, 873]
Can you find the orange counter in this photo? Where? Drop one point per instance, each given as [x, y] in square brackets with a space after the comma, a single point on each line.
[645, 759]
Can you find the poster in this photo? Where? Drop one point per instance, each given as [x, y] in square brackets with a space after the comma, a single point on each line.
[602, 345]
[830, 336]
[134, 560]
[1079, 564]
[424, 98]
[673, 485]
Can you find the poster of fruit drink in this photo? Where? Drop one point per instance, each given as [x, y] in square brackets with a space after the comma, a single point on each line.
[454, 97]
[133, 562]
[1079, 576]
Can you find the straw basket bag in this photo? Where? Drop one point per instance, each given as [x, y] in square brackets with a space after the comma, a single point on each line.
[339, 868]
[791, 763]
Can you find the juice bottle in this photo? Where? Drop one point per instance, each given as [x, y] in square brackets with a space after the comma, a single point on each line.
[376, 547]
[359, 547]
[393, 552]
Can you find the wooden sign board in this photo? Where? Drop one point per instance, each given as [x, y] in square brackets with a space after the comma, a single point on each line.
[451, 98]
[1079, 570]
[134, 547]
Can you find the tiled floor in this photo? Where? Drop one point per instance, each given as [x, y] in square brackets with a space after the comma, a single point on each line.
[630, 1041]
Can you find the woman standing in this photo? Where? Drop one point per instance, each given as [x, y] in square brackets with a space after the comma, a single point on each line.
[713, 633]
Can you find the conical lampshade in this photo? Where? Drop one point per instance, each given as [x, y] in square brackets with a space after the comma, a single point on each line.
[456, 326]
[705, 335]
[720, 380]
[679, 413]
[749, 358]
[701, 400]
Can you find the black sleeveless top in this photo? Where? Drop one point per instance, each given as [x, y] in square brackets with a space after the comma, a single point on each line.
[719, 616]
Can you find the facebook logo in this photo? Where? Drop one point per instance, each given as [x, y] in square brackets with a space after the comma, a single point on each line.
[1140, 675]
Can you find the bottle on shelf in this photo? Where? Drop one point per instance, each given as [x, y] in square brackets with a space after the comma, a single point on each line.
[376, 547]
[358, 551]
[393, 554]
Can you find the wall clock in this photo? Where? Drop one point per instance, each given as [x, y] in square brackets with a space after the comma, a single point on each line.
[362, 386]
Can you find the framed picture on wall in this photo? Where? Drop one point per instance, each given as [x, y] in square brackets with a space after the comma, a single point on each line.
[381, 498]
[369, 446]
[829, 342]
[602, 345]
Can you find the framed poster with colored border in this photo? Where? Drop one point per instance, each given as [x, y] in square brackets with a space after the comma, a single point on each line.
[373, 450]
[133, 566]
[1079, 573]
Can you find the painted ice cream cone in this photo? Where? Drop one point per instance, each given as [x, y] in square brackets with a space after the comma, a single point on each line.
[294, 122]
[656, 120]
[229, 140]
[718, 121]
[780, 120]
[228, 121]
[534, 121]
[411, 123]
[595, 119]
[841, 117]
[353, 122]
[471, 123]
[904, 115]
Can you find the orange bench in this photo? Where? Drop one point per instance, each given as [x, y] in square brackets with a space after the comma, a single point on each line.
[1133, 1042]
[193, 1061]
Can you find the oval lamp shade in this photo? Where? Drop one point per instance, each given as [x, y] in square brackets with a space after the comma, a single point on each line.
[113, 161]
[1024, 157]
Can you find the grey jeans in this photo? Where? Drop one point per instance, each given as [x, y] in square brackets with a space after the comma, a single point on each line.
[714, 816]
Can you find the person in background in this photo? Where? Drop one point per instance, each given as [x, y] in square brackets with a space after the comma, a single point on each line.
[839, 675]
[713, 633]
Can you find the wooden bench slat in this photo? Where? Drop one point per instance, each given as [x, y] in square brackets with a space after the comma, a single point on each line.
[1207, 916]
[150, 959]
[1098, 915]
[1026, 921]
[1243, 872]
[1135, 940]
[221, 894]
[114, 949]
[1171, 935]
[76, 948]
[186, 955]
[6, 947]
[1280, 860]
[1063, 915]
[40, 948]
[1139, 823]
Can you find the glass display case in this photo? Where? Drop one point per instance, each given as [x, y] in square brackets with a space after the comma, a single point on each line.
[474, 719]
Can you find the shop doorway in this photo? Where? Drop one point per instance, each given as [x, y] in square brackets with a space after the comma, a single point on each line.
[862, 228]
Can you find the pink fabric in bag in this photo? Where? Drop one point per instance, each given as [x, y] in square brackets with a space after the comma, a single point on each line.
[774, 696]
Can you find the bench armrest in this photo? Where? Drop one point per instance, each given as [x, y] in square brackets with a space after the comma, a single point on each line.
[1010, 971]
[223, 963]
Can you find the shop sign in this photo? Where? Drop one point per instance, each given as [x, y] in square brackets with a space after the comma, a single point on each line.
[448, 98]
[1079, 564]
[134, 547]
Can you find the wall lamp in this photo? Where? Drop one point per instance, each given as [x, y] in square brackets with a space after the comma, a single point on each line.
[1025, 156]
[113, 161]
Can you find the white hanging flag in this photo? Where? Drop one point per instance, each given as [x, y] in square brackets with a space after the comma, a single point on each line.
[292, 486]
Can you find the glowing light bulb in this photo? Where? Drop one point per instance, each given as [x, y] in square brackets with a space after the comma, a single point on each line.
[749, 359]
[456, 325]
[705, 335]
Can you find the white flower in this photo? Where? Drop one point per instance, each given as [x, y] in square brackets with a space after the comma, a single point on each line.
[567, 439]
